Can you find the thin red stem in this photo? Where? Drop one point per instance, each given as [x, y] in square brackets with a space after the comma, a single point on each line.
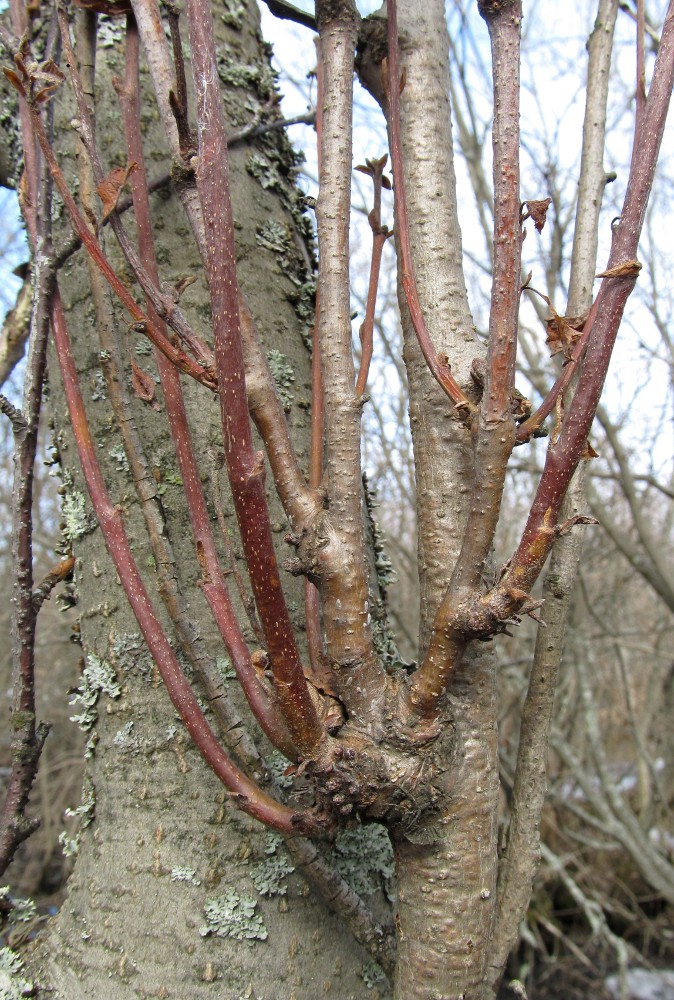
[213, 582]
[247, 795]
[93, 247]
[245, 467]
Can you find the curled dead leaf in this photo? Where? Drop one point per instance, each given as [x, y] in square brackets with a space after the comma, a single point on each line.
[628, 269]
[537, 211]
[564, 332]
[109, 188]
[589, 452]
[143, 385]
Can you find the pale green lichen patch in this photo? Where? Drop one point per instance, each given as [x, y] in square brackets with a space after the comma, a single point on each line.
[273, 236]
[364, 859]
[372, 975]
[18, 911]
[233, 14]
[233, 916]
[126, 741]
[225, 668]
[118, 455]
[268, 876]
[13, 985]
[129, 652]
[74, 516]
[98, 392]
[277, 765]
[283, 376]
[98, 677]
[84, 813]
[188, 875]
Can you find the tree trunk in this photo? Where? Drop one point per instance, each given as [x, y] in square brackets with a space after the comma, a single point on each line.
[446, 888]
[158, 837]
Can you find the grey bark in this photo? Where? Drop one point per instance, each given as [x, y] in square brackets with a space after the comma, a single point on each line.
[128, 928]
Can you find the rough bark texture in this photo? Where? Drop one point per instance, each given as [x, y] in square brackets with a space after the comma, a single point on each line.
[447, 887]
[128, 928]
[442, 448]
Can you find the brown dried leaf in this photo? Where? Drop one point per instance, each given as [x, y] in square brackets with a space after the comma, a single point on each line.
[538, 211]
[109, 188]
[564, 332]
[588, 451]
[142, 384]
[49, 73]
[14, 79]
[629, 269]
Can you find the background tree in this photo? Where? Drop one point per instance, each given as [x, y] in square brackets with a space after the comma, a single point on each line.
[416, 751]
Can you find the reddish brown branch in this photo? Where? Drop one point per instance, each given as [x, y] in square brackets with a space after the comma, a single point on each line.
[641, 66]
[504, 30]
[213, 583]
[175, 355]
[439, 367]
[164, 305]
[245, 467]
[247, 795]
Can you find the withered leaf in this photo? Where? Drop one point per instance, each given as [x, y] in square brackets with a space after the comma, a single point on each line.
[538, 211]
[588, 451]
[14, 80]
[109, 188]
[564, 332]
[142, 384]
[628, 269]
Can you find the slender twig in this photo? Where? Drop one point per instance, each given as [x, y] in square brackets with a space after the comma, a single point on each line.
[93, 247]
[376, 938]
[258, 129]
[245, 467]
[212, 582]
[438, 366]
[247, 795]
[178, 97]
[641, 67]
[27, 737]
[375, 169]
[164, 305]
[57, 574]
[288, 12]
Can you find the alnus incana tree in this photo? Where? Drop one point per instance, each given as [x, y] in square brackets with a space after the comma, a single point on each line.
[218, 531]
